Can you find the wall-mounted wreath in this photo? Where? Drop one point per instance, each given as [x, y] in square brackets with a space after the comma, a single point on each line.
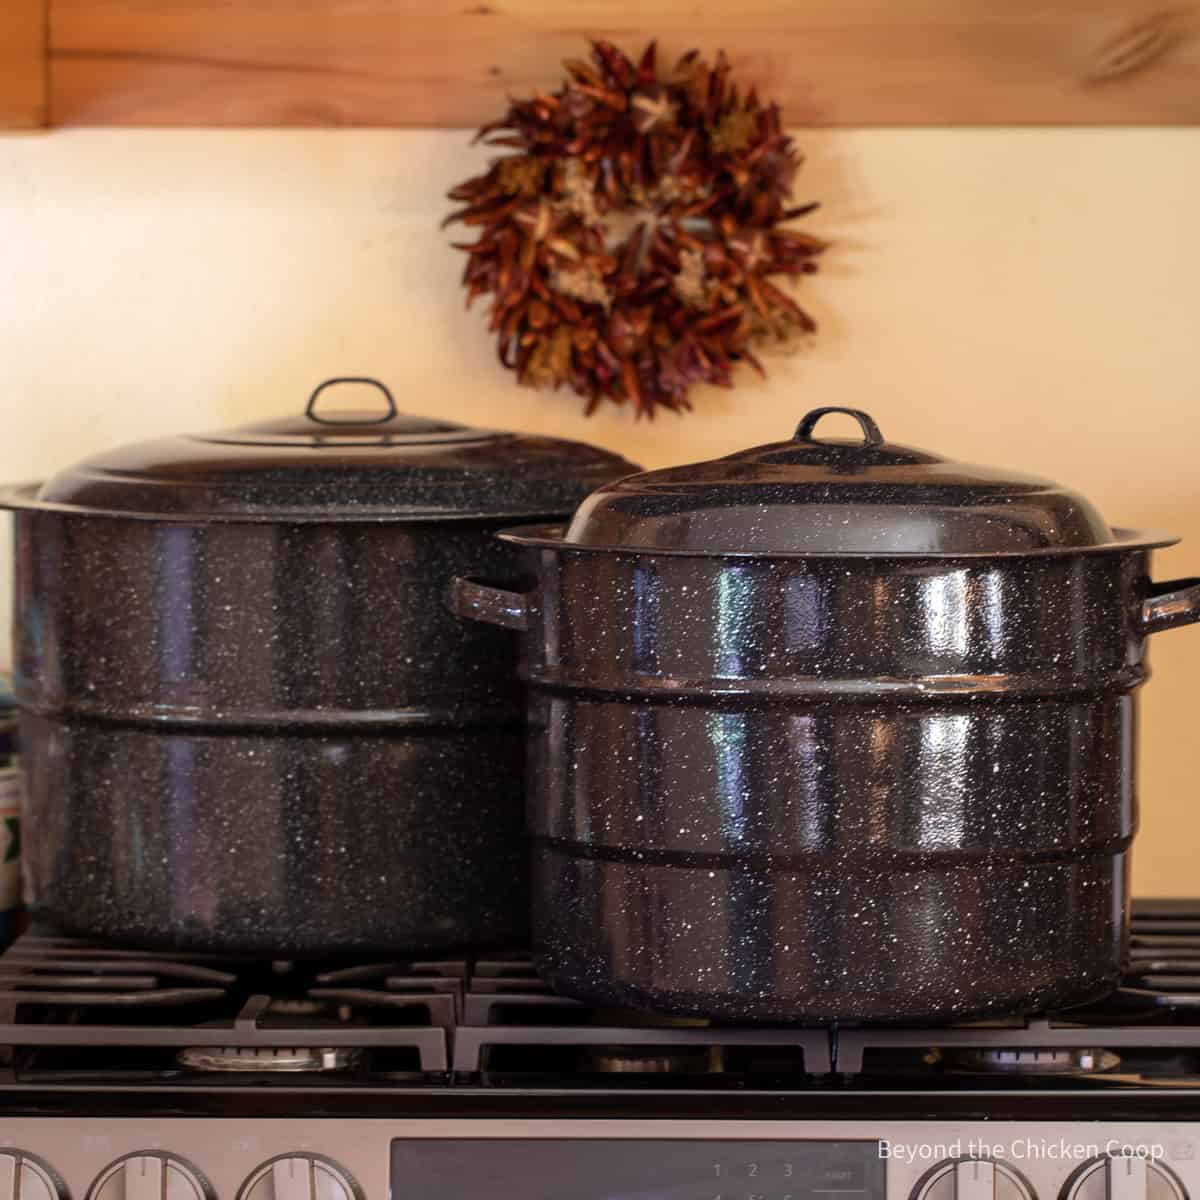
[632, 239]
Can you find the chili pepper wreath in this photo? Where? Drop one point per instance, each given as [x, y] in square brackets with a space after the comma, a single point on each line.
[632, 241]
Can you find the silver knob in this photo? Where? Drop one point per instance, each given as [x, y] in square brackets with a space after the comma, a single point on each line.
[24, 1177]
[150, 1175]
[972, 1179]
[299, 1177]
[1123, 1177]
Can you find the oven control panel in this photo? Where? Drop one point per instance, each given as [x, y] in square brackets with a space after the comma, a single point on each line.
[181, 1158]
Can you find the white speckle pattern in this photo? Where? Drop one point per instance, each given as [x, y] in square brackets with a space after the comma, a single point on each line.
[820, 789]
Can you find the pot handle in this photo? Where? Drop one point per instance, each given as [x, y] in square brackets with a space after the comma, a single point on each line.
[1171, 604]
[311, 413]
[475, 601]
[870, 431]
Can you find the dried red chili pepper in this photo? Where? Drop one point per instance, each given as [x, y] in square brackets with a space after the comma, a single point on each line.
[630, 242]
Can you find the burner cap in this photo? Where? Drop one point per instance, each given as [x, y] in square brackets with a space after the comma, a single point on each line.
[268, 1058]
[1056, 1061]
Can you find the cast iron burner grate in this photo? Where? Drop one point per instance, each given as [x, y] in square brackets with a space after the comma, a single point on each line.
[75, 1012]
[1146, 1032]
[88, 1000]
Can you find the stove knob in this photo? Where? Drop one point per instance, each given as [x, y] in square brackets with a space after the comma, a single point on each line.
[972, 1179]
[299, 1177]
[150, 1175]
[25, 1177]
[1123, 1177]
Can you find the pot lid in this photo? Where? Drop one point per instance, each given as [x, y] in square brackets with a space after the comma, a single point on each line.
[814, 495]
[333, 464]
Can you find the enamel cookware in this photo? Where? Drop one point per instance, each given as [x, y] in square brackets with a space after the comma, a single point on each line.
[247, 721]
[832, 729]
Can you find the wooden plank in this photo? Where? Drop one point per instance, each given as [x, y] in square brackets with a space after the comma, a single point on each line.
[433, 62]
[22, 64]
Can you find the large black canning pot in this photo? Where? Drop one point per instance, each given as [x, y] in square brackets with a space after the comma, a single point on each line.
[247, 721]
[832, 730]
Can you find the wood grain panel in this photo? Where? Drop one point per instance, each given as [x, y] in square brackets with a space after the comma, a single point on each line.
[22, 64]
[451, 62]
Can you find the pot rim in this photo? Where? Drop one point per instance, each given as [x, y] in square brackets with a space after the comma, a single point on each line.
[550, 537]
[22, 497]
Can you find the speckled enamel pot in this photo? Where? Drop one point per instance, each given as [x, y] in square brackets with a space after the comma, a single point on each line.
[832, 731]
[248, 721]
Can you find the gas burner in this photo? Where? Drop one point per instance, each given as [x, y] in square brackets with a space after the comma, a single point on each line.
[1037, 1061]
[269, 1059]
[651, 1060]
[630, 1060]
[297, 1006]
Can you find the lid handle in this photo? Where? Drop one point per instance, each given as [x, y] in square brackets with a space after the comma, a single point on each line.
[871, 434]
[311, 410]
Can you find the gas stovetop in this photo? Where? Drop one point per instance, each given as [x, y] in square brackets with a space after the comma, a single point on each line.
[74, 1013]
[127, 1075]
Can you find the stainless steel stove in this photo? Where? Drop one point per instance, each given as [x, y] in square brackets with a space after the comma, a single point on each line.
[190, 1077]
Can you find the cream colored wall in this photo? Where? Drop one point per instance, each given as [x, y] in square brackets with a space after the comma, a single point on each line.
[1029, 298]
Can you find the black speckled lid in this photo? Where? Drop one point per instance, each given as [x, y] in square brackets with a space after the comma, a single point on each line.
[813, 495]
[333, 464]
